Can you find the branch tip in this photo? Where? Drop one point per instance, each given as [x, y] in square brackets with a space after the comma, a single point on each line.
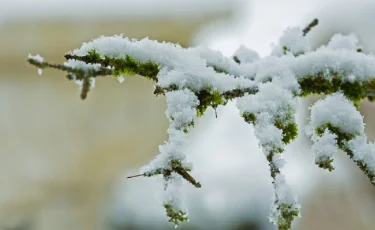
[310, 26]
[138, 175]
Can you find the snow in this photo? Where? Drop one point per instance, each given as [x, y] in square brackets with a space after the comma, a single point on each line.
[118, 46]
[181, 112]
[363, 151]
[293, 41]
[36, 58]
[338, 111]
[188, 67]
[325, 146]
[246, 55]
[284, 192]
[171, 149]
[173, 190]
[75, 64]
[269, 138]
[181, 108]
[344, 62]
[216, 58]
[271, 99]
[270, 104]
[182, 67]
[283, 195]
[198, 79]
[276, 79]
[339, 41]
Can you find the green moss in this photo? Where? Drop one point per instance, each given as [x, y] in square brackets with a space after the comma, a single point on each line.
[290, 131]
[177, 167]
[219, 70]
[153, 173]
[249, 117]
[129, 67]
[354, 91]
[285, 49]
[125, 66]
[208, 97]
[288, 213]
[216, 99]
[175, 216]
[342, 137]
[235, 93]
[325, 164]
[93, 57]
[318, 84]
[148, 69]
[187, 126]
[161, 91]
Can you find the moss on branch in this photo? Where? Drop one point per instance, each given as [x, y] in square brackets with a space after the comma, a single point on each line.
[175, 165]
[342, 140]
[175, 216]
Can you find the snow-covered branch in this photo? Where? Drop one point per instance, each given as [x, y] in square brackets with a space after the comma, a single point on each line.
[265, 89]
[336, 125]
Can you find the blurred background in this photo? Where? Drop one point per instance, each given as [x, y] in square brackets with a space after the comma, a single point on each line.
[64, 162]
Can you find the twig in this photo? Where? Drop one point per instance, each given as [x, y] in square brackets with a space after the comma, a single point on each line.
[138, 175]
[310, 26]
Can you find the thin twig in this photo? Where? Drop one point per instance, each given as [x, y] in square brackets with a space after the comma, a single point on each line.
[138, 175]
[310, 26]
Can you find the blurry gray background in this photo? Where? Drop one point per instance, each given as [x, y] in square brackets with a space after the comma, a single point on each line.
[63, 161]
